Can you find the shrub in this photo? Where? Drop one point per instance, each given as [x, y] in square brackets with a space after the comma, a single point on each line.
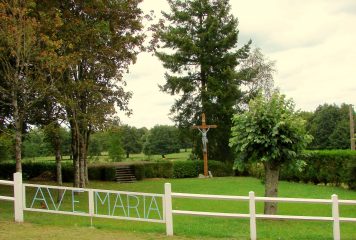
[106, 172]
[185, 169]
[324, 166]
[161, 169]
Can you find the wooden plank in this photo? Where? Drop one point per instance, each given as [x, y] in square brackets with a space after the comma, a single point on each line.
[6, 198]
[286, 217]
[211, 214]
[293, 200]
[5, 182]
[207, 196]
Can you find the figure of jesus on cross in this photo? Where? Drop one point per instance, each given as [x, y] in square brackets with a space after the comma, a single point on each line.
[203, 128]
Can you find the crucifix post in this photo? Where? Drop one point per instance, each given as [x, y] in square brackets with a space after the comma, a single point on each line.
[204, 128]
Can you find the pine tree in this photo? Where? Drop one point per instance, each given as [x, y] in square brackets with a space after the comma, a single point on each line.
[199, 48]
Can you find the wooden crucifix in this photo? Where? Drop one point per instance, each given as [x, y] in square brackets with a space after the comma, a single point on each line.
[203, 128]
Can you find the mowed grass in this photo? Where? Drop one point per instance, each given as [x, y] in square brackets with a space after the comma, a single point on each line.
[208, 227]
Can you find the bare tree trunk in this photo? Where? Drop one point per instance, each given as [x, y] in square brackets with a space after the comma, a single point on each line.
[81, 161]
[58, 166]
[271, 187]
[75, 152]
[18, 131]
[54, 134]
[86, 156]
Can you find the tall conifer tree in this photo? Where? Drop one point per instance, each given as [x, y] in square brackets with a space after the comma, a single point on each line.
[202, 36]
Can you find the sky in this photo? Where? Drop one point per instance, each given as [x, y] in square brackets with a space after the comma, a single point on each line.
[313, 43]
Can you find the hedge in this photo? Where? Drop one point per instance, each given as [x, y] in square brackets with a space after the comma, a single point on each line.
[180, 169]
[34, 169]
[327, 166]
[334, 167]
[106, 172]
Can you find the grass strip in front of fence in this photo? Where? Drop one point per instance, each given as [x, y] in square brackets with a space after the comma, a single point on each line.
[199, 227]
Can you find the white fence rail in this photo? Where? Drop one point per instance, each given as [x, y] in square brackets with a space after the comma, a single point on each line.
[252, 199]
[164, 212]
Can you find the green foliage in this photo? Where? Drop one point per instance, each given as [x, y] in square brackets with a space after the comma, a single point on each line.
[116, 150]
[35, 144]
[55, 134]
[190, 169]
[334, 167]
[99, 142]
[327, 166]
[131, 139]
[162, 139]
[270, 131]
[5, 147]
[28, 53]
[199, 48]
[42, 141]
[185, 169]
[35, 169]
[106, 172]
[101, 172]
[329, 125]
[180, 169]
[160, 169]
[95, 146]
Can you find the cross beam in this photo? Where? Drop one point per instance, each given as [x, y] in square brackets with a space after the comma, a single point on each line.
[204, 128]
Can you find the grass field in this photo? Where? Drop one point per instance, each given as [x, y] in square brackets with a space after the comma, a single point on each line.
[203, 227]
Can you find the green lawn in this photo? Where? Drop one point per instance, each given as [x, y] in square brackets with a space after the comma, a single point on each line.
[204, 227]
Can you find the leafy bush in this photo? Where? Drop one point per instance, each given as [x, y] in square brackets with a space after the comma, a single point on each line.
[102, 172]
[185, 169]
[324, 166]
[34, 169]
[106, 172]
[161, 169]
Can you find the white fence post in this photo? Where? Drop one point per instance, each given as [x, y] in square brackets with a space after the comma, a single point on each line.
[168, 208]
[252, 207]
[336, 218]
[91, 205]
[18, 197]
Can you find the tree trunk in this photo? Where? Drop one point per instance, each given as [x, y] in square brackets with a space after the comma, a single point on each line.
[58, 155]
[271, 187]
[86, 156]
[18, 131]
[127, 154]
[82, 161]
[59, 166]
[75, 152]
[54, 134]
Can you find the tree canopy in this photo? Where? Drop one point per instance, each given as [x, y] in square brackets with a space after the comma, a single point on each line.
[162, 139]
[28, 45]
[197, 43]
[131, 139]
[272, 133]
[329, 125]
[75, 52]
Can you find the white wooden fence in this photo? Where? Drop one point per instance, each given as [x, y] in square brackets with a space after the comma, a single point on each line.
[20, 206]
[252, 199]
